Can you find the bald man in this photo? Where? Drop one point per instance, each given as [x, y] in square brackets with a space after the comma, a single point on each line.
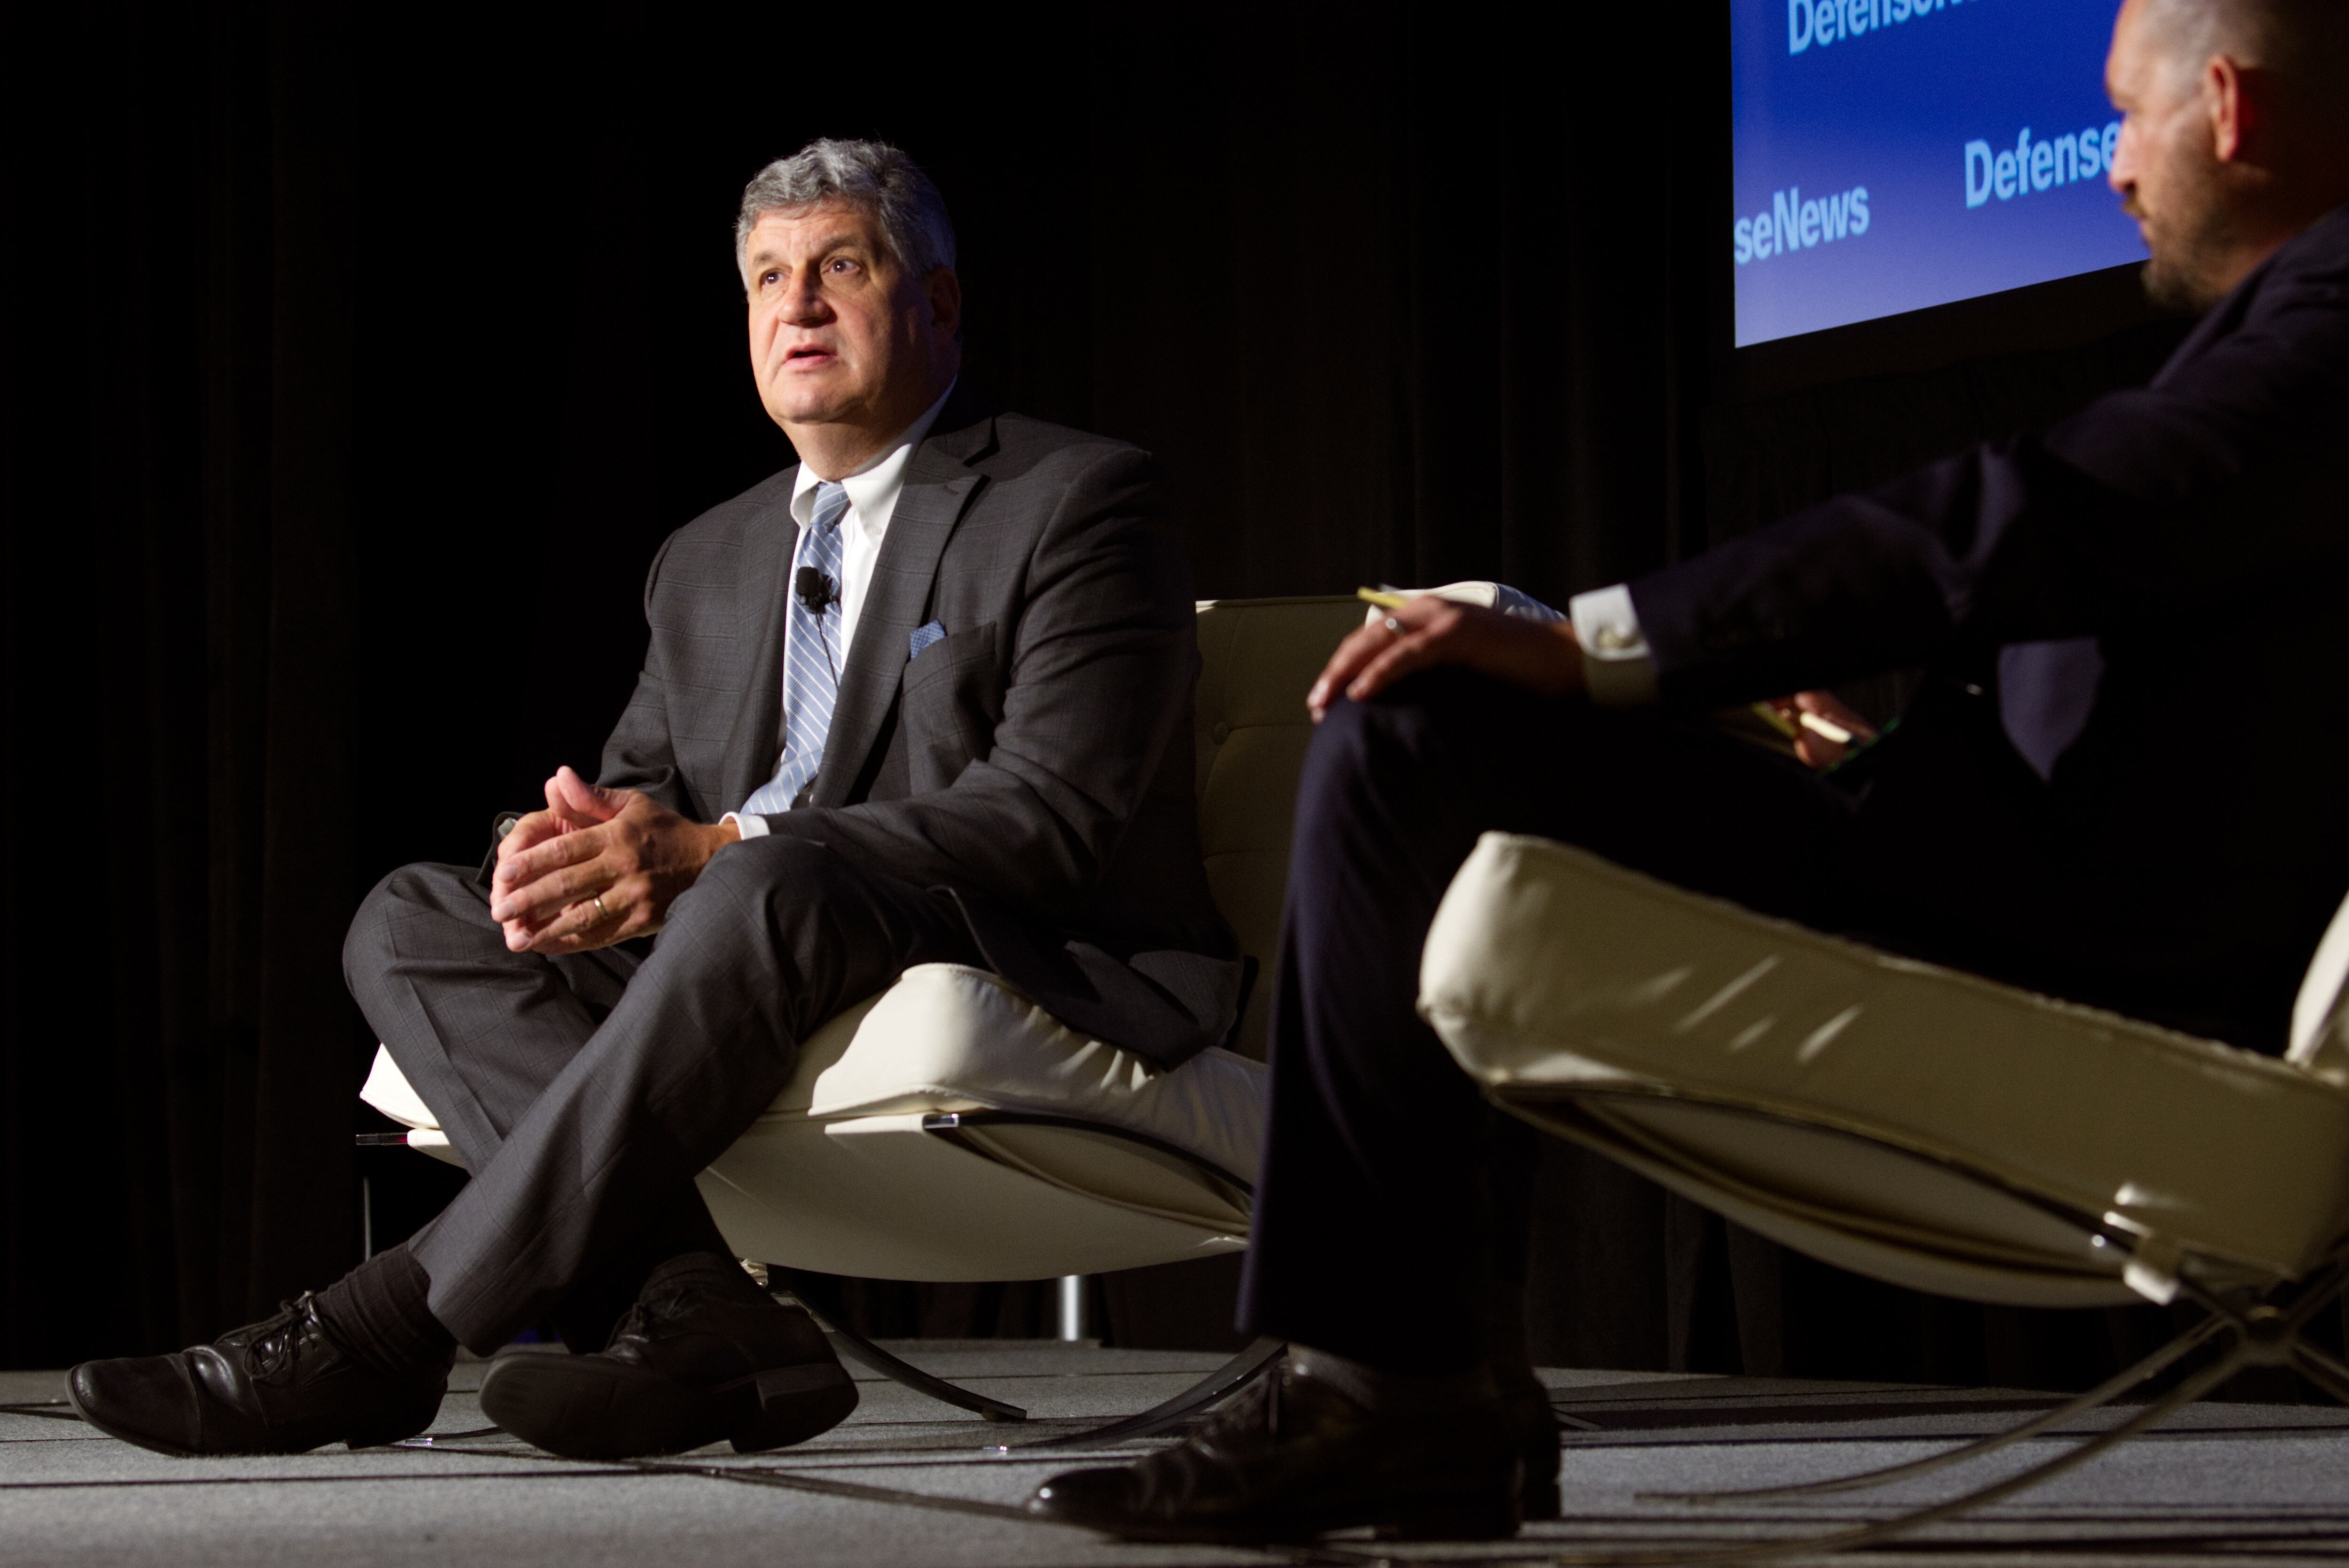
[2122, 783]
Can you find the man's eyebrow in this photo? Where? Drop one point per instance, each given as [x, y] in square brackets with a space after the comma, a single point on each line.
[852, 245]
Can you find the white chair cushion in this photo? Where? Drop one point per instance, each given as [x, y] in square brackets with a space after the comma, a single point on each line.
[386, 1089]
[1256, 659]
[1551, 972]
[948, 1037]
[837, 1175]
[2320, 1013]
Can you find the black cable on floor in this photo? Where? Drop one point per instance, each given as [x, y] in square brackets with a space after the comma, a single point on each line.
[49, 1409]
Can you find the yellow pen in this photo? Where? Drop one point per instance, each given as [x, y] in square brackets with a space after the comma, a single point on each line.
[1825, 730]
[1381, 598]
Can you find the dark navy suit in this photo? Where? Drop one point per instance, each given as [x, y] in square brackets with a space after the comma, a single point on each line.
[2124, 780]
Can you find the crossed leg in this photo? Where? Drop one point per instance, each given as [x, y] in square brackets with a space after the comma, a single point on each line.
[585, 1092]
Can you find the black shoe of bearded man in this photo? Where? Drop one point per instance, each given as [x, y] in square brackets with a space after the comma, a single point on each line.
[1290, 1458]
[704, 1355]
[282, 1386]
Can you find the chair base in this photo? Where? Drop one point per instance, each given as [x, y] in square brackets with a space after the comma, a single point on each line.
[2264, 1334]
[890, 1367]
[1217, 1386]
[1224, 1381]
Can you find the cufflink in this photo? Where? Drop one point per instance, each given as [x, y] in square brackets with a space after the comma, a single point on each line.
[1615, 639]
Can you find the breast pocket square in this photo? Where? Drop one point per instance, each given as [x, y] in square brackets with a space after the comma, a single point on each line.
[922, 638]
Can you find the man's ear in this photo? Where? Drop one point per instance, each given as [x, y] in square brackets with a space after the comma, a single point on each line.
[2231, 94]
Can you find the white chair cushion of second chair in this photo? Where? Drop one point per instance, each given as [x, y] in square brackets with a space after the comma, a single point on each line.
[1928, 1127]
[841, 1176]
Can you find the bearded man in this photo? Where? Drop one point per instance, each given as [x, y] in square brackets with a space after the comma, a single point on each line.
[2123, 783]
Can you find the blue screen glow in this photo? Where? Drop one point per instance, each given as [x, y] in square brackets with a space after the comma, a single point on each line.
[1895, 154]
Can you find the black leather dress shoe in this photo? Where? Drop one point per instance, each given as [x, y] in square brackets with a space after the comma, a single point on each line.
[703, 1355]
[278, 1387]
[1290, 1458]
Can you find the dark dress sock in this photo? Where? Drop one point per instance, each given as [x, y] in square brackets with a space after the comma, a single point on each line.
[378, 1313]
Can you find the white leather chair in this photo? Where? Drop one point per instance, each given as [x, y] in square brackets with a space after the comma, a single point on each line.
[1924, 1126]
[950, 1129]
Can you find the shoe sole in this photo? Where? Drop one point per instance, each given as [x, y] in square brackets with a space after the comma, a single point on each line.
[397, 1432]
[1493, 1518]
[587, 1408]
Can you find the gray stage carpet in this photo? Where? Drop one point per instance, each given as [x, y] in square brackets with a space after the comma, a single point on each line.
[908, 1481]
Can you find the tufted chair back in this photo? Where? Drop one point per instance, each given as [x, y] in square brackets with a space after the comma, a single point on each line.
[1257, 657]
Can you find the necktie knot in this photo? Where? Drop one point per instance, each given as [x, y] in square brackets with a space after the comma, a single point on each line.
[831, 506]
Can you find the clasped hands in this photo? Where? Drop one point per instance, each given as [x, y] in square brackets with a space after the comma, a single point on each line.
[1542, 656]
[598, 866]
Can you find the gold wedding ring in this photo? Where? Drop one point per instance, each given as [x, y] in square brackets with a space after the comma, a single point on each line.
[1394, 625]
[601, 913]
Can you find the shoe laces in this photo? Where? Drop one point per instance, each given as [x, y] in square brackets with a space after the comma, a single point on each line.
[275, 1343]
[643, 1312]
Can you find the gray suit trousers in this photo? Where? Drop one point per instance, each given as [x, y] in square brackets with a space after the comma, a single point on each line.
[585, 1092]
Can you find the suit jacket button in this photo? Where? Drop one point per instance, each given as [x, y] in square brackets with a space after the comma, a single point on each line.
[1220, 733]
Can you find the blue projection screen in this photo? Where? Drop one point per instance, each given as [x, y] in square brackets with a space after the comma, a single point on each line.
[1895, 154]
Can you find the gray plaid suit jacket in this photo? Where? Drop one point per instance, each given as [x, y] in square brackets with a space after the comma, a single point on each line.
[1034, 764]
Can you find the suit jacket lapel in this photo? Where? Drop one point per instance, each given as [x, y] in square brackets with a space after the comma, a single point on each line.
[756, 741]
[938, 486]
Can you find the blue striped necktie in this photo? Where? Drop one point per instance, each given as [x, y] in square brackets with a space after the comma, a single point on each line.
[812, 655]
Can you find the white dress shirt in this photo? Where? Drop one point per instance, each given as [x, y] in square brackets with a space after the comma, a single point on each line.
[873, 492]
[1616, 668]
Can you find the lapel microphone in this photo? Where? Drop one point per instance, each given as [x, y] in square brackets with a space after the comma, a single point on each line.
[815, 590]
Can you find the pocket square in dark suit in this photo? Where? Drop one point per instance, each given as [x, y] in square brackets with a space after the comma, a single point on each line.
[923, 636]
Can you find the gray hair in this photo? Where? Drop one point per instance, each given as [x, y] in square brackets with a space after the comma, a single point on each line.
[871, 176]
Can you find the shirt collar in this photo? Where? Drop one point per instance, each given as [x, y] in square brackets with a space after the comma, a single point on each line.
[873, 489]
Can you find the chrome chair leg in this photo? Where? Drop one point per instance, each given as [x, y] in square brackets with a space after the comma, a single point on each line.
[897, 1371]
[1224, 1381]
[2324, 1371]
[2079, 1405]
[914, 1377]
[2266, 1334]
[2241, 1354]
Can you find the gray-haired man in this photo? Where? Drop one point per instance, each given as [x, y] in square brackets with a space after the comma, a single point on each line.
[920, 697]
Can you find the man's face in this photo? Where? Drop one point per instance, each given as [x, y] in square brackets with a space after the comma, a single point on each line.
[840, 333]
[2166, 167]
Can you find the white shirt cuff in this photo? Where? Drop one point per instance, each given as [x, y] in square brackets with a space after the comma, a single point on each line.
[1616, 664]
[749, 827]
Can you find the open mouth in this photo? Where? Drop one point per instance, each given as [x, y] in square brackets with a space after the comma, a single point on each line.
[808, 356]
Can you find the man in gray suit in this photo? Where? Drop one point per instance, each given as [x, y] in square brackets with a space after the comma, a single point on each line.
[923, 695]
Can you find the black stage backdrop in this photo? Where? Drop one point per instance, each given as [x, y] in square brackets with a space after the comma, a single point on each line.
[355, 361]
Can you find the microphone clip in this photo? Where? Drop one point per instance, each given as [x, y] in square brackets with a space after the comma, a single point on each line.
[816, 591]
